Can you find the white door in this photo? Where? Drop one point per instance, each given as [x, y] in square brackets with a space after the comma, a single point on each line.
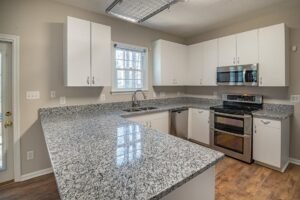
[273, 56]
[210, 62]
[78, 52]
[199, 125]
[6, 133]
[160, 123]
[267, 142]
[247, 47]
[194, 73]
[227, 50]
[101, 55]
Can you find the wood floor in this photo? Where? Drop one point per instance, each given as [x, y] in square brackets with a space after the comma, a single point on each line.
[234, 181]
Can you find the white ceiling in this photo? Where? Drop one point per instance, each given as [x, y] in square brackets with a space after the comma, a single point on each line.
[191, 17]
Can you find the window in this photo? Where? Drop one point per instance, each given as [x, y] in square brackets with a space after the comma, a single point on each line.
[129, 68]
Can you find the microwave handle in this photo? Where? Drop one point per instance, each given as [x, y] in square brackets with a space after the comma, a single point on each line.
[244, 75]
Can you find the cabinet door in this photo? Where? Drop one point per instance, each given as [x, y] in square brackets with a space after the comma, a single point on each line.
[168, 63]
[141, 119]
[199, 125]
[267, 142]
[101, 55]
[195, 63]
[160, 123]
[273, 56]
[247, 47]
[77, 52]
[210, 62]
[180, 57]
[227, 50]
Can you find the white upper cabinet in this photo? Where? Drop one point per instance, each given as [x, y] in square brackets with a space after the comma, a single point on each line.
[202, 63]
[101, 55]
[87, 53]
[77, 52]
[273, 56]
[227, 50]
[195, 64]
[239, 49]
[247, 47]
[170, 63]
[210, 62]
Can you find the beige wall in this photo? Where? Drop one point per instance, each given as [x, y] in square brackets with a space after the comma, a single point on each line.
[289, 13]
[39, 23]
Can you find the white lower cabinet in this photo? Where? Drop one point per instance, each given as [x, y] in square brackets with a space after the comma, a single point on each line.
[198, 125]
[271, 142]
[157, 121]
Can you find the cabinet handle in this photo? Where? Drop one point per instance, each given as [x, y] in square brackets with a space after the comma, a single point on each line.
[233, 60]
[265, 122]
[200, 81]
[238, 60]
[150, 124]
[93, 80]
[200, 111]
[254, 129]
[88, 80]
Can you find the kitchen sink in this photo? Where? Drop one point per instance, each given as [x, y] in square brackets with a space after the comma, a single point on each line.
[138, 109]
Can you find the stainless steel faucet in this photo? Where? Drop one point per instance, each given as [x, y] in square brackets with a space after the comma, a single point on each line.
[135, 101]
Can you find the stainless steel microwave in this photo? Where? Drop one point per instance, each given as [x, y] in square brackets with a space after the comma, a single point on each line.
[238, 75]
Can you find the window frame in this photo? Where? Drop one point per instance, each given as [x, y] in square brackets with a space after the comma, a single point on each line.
[144, 70]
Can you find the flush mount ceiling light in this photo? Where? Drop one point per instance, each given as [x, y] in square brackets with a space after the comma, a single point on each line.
[138, 11]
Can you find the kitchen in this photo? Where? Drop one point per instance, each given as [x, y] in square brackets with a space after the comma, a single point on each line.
[60, 102]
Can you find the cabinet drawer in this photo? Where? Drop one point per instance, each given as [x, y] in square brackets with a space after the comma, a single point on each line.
[267, 123]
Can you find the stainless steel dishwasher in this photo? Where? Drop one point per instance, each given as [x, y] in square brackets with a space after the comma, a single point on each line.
[179, 123]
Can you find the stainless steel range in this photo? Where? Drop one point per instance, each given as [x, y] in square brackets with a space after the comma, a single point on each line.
[231, 125]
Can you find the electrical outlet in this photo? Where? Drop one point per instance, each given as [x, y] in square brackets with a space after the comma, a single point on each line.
[52, 94]
[62, 100]
[102, 97]
[154, 95]
[30, 155]
[31, 95]
[295, 98]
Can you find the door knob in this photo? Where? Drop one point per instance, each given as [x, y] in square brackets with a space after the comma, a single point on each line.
[7, 114]
[8, 124]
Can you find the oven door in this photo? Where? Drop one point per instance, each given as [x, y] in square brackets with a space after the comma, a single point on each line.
[232, 135]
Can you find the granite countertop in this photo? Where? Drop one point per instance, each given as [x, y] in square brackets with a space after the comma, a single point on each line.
[98, 154]
[275, 111]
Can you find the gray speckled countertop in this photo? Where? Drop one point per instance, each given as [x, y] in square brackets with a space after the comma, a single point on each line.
[97, 154]
[274, 111]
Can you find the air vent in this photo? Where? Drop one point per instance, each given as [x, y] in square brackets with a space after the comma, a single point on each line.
[138, 11]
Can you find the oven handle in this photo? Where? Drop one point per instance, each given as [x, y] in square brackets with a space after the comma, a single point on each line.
[234, 134]
[230, 115]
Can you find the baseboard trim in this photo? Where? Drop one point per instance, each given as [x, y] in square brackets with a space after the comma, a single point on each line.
[35, 174]
[295, 161]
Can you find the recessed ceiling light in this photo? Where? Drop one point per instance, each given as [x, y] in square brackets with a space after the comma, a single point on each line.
[138, 11]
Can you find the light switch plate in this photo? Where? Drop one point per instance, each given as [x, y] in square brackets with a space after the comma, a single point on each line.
[30, 155]
[295, 98]
[31, 95]
[52, 94]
